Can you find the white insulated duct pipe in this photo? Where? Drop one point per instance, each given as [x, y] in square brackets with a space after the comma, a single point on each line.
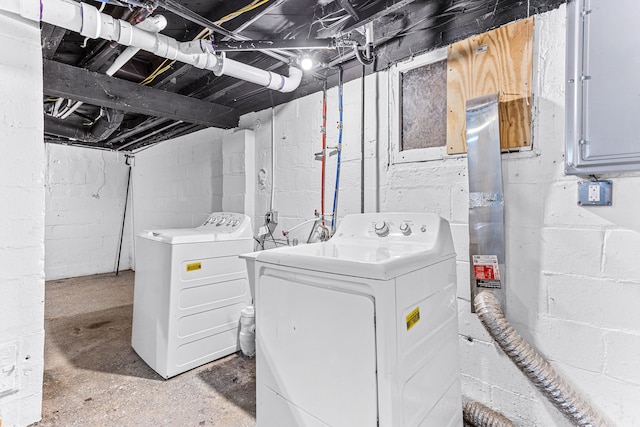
[264, 78]
[152, 23]
[122, 59]
[229, 67]
[89, 22]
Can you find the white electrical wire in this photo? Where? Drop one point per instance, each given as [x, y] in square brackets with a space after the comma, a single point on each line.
[295, 227]
[273, 159]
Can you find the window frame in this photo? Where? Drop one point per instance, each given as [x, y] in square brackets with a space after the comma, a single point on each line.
[395, 122]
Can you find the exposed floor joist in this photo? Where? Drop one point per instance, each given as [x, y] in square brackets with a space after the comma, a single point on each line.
[98, 89]
[401, 30]
[51, 38]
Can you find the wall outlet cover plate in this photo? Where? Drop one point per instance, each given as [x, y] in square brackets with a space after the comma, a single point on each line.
[595, 193]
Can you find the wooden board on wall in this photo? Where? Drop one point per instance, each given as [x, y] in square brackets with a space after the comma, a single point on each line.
[497, 61]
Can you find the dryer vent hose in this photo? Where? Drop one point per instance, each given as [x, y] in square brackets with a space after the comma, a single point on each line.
[533, 365]
[475, 414]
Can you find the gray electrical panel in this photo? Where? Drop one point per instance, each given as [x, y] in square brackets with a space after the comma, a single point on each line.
[602, 87]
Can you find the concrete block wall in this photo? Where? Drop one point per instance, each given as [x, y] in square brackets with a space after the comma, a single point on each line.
[175, 184]
[85, 197]
[239, 174]
[295, 128]
[178, 183]
[21, 222]
[572, 272]
[295, 131]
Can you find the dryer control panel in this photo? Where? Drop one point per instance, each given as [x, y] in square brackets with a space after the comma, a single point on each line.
[382, 228]
[391, 226]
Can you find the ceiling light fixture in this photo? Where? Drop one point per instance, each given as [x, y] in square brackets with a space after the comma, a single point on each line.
[306, 63]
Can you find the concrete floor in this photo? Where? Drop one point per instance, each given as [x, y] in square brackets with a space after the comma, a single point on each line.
[92, 376]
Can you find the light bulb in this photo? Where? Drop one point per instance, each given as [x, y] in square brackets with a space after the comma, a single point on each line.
[306, 63]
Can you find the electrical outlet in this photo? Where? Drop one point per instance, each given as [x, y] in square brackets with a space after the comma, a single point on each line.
[595, 193]
[272, 217]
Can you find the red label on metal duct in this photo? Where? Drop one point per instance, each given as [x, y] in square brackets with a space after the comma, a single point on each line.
[484, 272]
[485, 267]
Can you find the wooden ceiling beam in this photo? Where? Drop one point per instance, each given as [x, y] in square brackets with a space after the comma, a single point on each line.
[51, 37]
[93, 88]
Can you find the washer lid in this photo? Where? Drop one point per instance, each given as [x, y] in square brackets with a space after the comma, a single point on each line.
[220, 226]
[363, 254]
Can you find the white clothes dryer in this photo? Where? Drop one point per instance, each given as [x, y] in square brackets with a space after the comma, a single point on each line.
[360, 330]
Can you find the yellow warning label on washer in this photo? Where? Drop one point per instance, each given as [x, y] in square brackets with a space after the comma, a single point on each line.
[413, 318]
[194, 266]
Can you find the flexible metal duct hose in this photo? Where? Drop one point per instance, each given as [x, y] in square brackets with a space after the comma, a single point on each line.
[533, 365]
[475, 414]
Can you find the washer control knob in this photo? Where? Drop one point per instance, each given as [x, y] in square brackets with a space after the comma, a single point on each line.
[382, 228]
[221, 221]
[405, 228]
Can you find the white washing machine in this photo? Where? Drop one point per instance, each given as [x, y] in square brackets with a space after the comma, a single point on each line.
[360, 330]
[190, 287]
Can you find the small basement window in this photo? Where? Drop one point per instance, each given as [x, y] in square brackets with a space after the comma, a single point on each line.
[419, 119]
[429, 93]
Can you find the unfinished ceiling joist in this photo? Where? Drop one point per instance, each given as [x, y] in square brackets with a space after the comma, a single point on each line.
[366, 16]
[218, 53]
[98, 89]
[88, 21]
[51, 38]
[349, 8]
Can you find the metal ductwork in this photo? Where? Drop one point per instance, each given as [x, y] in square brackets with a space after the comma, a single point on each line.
[90, 22]
[107, 123]
[539, 371]
[475, 414]
[487, 254]
[486, 199]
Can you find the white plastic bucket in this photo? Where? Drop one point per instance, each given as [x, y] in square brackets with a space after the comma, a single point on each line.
[248, 331]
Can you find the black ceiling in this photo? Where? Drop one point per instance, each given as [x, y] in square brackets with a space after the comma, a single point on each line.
[121, 114]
